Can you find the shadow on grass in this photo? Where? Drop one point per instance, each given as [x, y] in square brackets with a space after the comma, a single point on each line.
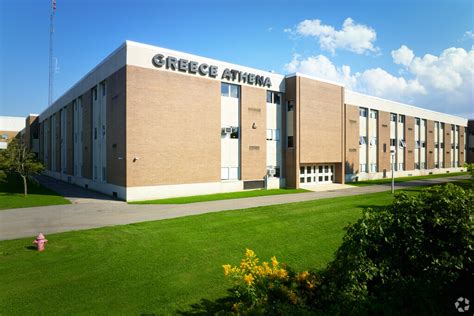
[220, 306]
[31, 248]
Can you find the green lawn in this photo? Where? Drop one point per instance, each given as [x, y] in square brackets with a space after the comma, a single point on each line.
[404, 179]
[220, 196]
[11, 195]
[164, 266]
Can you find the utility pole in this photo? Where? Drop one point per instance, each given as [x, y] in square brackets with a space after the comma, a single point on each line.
[52, 66]
[392, 156]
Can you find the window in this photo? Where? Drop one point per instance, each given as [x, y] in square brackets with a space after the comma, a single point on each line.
[362, 140]
[363, 167]
[373, 141]
[102, 88]
[423, 144]
[436, 125]
[441, 145]
[441, 125]
[393, 142]
[4, 136]
[229, 173]
[422, 165]
[417, 121]
[373, 167]
[273, 134]
[230, 90]
[401, 143]
[94, 93]
[235, 132]
[290, 106]
[401, 119]
[273, 97]
[423, 123]
[362, 112]
[401, 166]
[393, 117]
[417, 165]
[373, 114]
[290, 142]
[269, 97]
[452, 128]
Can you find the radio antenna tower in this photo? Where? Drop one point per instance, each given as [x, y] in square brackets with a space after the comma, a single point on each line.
[52, 66]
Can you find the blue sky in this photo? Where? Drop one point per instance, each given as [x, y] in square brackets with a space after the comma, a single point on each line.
[418, 52]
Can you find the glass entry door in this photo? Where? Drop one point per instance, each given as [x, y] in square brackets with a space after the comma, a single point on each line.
[320, 173]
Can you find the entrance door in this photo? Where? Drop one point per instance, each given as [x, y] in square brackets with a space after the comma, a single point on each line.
[321, 173]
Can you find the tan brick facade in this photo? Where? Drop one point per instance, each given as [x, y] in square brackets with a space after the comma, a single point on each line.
[173, 128]
[410, 142]
[116, 133]
[447, 145]
[321, 122]
[383, 150]
[352, 139]
[69, 140]
[253, 124]
[87, 134]
[430, 144]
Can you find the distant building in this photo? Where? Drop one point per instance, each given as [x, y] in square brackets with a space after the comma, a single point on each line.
[10, 127]
[150, 122]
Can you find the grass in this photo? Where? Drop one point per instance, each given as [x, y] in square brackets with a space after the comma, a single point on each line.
[220, 196]
[164, 266]
[404, 179]
[11, 195]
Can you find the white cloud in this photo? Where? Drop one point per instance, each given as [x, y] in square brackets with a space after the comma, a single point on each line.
[320, 66]
[442, 83]
[357, 38]
[403, 55]
[468, 35]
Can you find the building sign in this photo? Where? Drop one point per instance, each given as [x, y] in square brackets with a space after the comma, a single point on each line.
[211, 71]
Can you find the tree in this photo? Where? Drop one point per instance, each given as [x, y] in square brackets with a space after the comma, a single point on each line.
[17, 158]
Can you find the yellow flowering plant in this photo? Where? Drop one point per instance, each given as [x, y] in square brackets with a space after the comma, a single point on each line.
[266, 284]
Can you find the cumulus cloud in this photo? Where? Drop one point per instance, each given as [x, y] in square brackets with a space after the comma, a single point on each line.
[354, 37]
[403, 55]
[443, 83]
[320, 66]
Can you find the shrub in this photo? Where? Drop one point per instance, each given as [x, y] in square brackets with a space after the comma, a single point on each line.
[405, 258]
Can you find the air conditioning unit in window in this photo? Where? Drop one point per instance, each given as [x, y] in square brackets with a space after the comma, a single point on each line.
[226, 130]
[271, 172]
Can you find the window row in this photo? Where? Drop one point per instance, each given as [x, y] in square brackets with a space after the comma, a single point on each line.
[273, 134]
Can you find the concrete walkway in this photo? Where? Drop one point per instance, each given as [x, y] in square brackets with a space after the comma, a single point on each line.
[90, 213]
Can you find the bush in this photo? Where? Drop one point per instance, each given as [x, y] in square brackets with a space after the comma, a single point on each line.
[405, 258]
[413, 257]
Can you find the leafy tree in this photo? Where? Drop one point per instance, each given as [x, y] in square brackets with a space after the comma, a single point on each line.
[17, 158]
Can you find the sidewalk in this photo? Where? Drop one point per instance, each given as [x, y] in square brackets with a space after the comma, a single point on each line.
[90, 213]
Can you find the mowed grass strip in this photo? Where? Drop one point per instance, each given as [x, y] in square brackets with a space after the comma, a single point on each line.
[164, 266]
[221, 196]
[405, 179]
[11, 195]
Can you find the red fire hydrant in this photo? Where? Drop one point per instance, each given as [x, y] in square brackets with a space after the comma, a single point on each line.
[40, 242]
